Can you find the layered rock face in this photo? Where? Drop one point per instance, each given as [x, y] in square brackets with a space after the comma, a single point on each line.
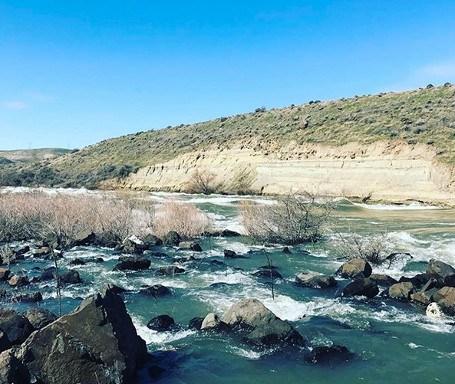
[383, 171]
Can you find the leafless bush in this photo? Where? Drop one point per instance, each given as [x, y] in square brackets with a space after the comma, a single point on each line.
[295, 219]
[35, 215]
[202, 181]
[186, 219]
[372, 248]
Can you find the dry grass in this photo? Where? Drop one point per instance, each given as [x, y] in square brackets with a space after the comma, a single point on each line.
[35, 215]
[186, 219]
[294, 220]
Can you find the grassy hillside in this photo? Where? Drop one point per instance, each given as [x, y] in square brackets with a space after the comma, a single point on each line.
[419, 116]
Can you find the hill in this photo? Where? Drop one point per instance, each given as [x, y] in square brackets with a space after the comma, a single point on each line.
[419, 124]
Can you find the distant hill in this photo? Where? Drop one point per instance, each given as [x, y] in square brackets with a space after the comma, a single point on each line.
[32, 155]
[425, 116]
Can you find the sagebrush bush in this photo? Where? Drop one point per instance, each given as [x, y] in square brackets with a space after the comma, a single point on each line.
[372, 248]
[186, 219]
[294, 220]
[34, 215]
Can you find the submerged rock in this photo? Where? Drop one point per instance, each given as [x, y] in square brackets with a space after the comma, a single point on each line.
[132, 263]
[33, 297]
[268, 273]
[196, 323]
[355, 268]
[161, 323]
[156, 290]
[169, 270]
[315, 280]
[96, 343]
[329, 354]
[260, 326]
[190, 245]
[229, 254]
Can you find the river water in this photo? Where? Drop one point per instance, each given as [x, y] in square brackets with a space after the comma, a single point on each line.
[392, 341]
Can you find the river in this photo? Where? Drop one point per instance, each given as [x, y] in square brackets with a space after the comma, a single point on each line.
[392, 341]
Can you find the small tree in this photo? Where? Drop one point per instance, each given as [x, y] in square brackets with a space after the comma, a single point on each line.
[294, 220]
[202, 181]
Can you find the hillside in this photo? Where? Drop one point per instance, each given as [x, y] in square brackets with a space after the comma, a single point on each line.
[419, 124]
[31, 155]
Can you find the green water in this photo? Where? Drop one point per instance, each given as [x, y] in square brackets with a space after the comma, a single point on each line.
[391, 342]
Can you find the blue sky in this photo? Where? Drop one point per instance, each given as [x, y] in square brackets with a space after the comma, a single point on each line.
[73, 73]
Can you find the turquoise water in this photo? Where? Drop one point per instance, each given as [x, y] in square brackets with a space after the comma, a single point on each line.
[392, 342]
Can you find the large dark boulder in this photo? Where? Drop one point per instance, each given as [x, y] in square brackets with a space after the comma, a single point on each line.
[437, 267]
[419, 280]
[260, 326]
[71, 277]
[39, 317]
[355, 268]
[315, 280]
[4, 341]
[156, 290]
[16, 327]
[132, 263]
[361, 287]
[133, 245]
[86, 237]
[229, 254]
[151, 241]
[12, 371]
[161, 323]
[95, 344]
[172, 238]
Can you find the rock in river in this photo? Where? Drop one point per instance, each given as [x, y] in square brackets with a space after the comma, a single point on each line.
[95, 344]
[260, 326]
[355, 268]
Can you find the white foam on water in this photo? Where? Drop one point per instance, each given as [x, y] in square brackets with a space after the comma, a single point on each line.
[414, 346]
[395, 315]
[248, 354]
[415, 206]
[170, 281]
[159, 338]
[227, 277]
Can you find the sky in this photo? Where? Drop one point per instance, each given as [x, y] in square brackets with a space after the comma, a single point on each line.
[73, 72]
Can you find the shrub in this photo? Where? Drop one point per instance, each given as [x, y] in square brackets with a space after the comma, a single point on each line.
[294, 220]
[202, 181]
[372, 248]
[186, 219]
[36, 215]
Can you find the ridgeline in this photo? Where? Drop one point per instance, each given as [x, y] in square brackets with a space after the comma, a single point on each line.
[413, 125]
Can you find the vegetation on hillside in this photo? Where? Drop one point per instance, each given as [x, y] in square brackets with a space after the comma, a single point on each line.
[420, 116]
